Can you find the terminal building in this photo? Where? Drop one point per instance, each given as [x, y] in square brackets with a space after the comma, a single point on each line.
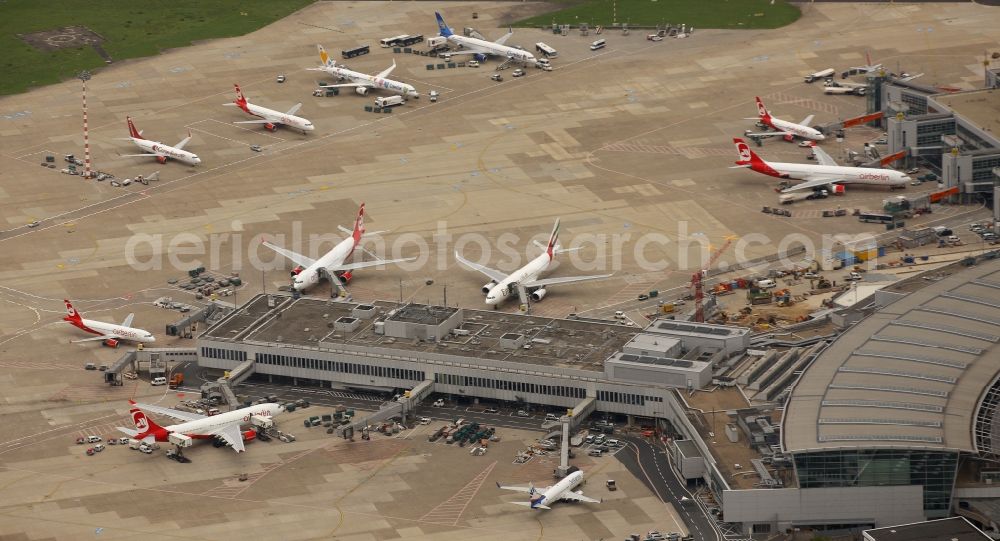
[485, 355]
[895, 420]
[956, 134]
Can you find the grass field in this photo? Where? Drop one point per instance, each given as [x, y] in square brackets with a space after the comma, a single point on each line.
[696, 13]
[131, 29]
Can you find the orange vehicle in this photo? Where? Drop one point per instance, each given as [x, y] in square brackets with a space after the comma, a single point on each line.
[176, 380]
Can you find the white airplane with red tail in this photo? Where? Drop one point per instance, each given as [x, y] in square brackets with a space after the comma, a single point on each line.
[109, 333]
[827, 174]
[269, 117]
[333, 264]
[526, 282]
[224, 426]
[788, 130]
[158, 150]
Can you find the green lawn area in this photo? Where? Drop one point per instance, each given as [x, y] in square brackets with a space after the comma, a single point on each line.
[131, 29]
[696, 13]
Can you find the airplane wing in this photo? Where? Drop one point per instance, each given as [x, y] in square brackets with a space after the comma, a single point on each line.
[385, 73]
[95, 338]
[180, 145]
[232, 435]
[170, 412]
[298, 259]
[807, 120]
[810, 184]
[346, 85]
[767, 133]
[493, 274]
[128, 320]
[366, 264]
[822, 158]
[526, 490]
[503, 39]
[570, 495]
[568, 280]
[528, 504]
[467, 51]
[295, 109]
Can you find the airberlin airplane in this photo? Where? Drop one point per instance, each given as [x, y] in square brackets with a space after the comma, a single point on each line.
[109, 333]
[158, 150]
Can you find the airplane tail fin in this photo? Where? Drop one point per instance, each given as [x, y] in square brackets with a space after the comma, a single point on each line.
[442, 27]
[553, 239]
[143, 425]
[130, 432]
[746, 156]
[241, 100]
[71, 314]
[323, 56]
[762, 111]
[359, 225]
[868, 57]
[134, 133]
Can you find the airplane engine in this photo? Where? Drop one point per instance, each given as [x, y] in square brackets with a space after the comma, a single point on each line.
[345, 276]
[838, 189]
[538, 294]
[161, 159]
[363, 90]
[297, 270]
[788, 137]
[111, 343]
[250, 435]
[270, 126]
[488, 286]
[480, 57]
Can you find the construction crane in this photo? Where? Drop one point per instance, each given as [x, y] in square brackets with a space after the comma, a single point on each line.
[696, 279]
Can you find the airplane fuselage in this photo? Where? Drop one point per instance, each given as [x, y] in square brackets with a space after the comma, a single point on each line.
[836, 173]
[277, 117]
[156, 147]
[101, 328]
[489, 47]
[555, 492]
[336, 257]
[210, 424]
[376, 82]
[499, 293]
[805, 132]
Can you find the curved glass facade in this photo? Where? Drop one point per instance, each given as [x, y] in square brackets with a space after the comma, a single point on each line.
[934, 470]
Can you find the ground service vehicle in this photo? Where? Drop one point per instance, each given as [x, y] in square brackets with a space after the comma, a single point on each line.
[546, 50]
[599, 44]
[388, 101]
[871, 217]
[822, 74]
[176, 380]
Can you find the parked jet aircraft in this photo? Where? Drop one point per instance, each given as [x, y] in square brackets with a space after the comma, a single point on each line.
[525, 282]
[269, 117]
[827, 174]
[482, 48]
[563, 490]
[362, 82]
[108, 333]
[158, 150]
[333, 264]
[789, 130]
[225, 426]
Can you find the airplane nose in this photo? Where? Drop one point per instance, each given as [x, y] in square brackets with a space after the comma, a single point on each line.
[820, 137]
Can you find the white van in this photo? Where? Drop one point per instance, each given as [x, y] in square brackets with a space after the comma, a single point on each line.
[766, 283]
[599, 44]
[159, 381]
[388, 101]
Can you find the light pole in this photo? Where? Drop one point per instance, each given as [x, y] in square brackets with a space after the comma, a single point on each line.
[85, 76]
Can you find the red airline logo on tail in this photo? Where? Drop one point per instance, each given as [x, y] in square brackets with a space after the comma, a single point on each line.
[134, 133]
[71, 314]
[359, 225]
[747, 157]
[241, 100]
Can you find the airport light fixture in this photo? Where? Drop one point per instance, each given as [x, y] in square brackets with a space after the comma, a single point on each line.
[84, 76]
